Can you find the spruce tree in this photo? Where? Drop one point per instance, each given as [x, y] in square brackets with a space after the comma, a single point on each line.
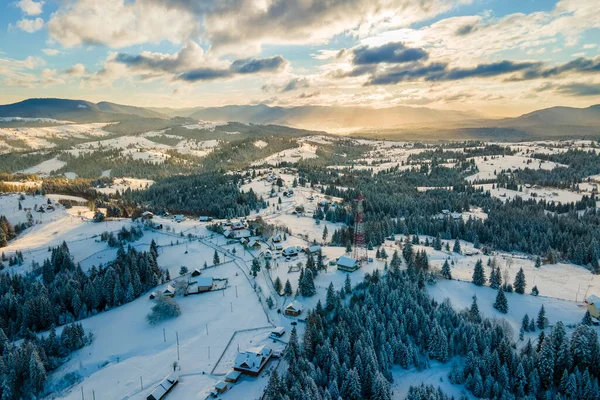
[347, 284]
[456, 248]
[479, 274]
[287, 290]
[520, 282]
[216, 258]
[474, 310]
[501, 303]
[446, 273]
[277, 285]
[541, 320]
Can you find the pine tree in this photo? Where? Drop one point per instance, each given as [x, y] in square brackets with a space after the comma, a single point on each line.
[525, 323]
[446, 273]
[474, 310]
[456, 248]
[307, 284]
[287, 290]
[479, 274]
[347, 284]
[520, 282]
[495, 277]
[541, 320]
[216, 258]
[535, 291]
[501, 303]
[255, 268]
[587, 319]
[325, 233]
[538, 262]
[437, 242]
[331, 297]
[278, 286]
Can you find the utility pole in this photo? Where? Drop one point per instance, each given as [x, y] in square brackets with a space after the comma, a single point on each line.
[177, 335]
[141, 383]
[164, 335]
[82, 398]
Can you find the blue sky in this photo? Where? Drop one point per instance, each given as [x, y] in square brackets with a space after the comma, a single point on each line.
[498, 57]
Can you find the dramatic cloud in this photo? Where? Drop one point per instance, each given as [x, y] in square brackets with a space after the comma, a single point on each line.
[238, 67]
[388, 53]
[192, 64]
[525, 70]
[577, 89]
[30, 7]
[117, 23]
[233, 24]
[579, 65]
[392, 63]
[30, 25]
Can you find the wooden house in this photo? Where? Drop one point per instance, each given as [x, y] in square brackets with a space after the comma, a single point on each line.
[293, 309]
[164, 387]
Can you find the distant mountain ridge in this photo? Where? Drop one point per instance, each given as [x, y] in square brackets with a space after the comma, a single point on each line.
[75, 110]
[548, 122]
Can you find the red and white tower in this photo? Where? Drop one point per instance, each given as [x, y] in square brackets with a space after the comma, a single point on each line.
[360, 247]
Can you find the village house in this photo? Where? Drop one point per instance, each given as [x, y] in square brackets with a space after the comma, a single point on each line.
[253, 360]
[290, 251]
[348, 264]
[179, 218]
[313, 249]
[164, 387]
[293, 309]
[232, 376]
[147, 215]
[169, 291]
[593, 306]
[278, 332]
[237, 225]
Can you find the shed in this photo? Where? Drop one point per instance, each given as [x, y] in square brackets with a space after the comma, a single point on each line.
[314, 249]
[205, 283]
[169, 291]
[232, 376]
[164, 387]
[348, 264]
[196, 272]
[593, 306]
[293, 309]
[221, 387]
[278, 331]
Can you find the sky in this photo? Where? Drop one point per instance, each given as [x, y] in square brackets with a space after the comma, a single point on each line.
[497, 57]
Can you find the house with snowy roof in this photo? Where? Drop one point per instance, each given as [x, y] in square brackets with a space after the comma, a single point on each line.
[593, 306]
[253, 360]
[164, 387]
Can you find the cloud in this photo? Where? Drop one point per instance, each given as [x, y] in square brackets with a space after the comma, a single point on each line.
[309, 95]
[30, 7]
[30, 25]
[77, 70]
[580, 65]
[525, 70]
[192, 64]
[50, 52]
[238, 67]
[577, 89]
[288, 86]
[388, 53]
[234, 25]
[117, 23]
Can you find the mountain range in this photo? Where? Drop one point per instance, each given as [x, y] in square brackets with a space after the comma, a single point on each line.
[552, 122]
